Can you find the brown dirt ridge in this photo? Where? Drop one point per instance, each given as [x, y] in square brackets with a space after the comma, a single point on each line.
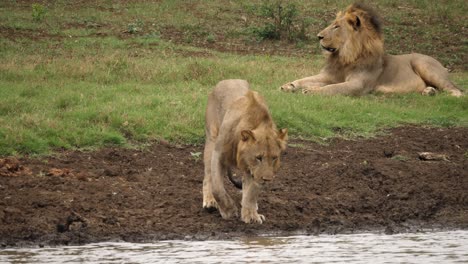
[115, 194]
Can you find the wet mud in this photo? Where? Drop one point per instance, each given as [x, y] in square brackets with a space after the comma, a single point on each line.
[380, 184]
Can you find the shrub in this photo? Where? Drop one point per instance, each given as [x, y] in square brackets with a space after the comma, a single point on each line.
[38, 12]
[282, 22]
[135, 27]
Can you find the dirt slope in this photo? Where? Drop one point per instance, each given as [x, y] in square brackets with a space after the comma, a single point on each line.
[141, 195]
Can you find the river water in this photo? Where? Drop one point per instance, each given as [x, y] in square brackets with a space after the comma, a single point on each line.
[431, 247]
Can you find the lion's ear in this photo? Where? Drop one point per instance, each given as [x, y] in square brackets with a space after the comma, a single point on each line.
[283, 137]
[247, 135]
[355, 22]
[283, 134]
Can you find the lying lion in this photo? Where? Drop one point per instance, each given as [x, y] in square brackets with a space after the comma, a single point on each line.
[240, 133]
[357, 65]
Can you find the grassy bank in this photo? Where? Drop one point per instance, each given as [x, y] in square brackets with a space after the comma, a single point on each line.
[91, 74]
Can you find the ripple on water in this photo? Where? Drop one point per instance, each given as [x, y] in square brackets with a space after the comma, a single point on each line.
[433, 247]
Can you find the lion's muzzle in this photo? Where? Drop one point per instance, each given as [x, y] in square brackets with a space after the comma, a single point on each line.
[328, 48]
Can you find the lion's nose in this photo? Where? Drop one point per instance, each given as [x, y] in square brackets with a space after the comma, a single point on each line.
[320, 37]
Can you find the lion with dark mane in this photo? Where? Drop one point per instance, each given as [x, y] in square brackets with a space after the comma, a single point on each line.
[357, 64]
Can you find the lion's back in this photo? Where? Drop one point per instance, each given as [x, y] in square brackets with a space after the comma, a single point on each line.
[227, 91]
[221, 98]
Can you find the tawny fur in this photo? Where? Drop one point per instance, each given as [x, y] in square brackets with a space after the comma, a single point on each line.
[240, 133]
[357, 64]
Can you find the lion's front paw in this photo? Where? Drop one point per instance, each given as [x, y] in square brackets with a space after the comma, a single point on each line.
[289, 88]
[210, 204]
[251, 216]
[310, 90]
[227, 207]
[229, 212]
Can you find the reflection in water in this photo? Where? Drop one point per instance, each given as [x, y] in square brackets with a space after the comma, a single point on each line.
[438, 247]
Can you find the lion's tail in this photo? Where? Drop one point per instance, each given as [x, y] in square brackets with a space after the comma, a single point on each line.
[236, 182]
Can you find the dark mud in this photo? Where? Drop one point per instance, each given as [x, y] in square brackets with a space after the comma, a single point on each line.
[346, 186]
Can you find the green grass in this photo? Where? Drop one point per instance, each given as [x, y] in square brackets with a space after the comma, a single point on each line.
[76, 79]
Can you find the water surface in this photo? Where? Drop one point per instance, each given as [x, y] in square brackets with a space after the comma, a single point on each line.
[434, 247]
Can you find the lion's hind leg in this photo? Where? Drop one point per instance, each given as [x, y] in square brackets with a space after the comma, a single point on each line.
[434, 74]
[429, 91]
[209, 202]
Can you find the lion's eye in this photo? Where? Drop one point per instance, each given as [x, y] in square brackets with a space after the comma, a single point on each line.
[336, 26]
[259, 158]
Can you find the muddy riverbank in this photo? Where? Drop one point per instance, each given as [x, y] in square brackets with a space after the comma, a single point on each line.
[345, 186]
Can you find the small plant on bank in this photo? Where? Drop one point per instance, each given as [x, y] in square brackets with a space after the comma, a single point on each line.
[38, 12]
[135, 27]
[196, 156]
[211, 38]
[400, 158]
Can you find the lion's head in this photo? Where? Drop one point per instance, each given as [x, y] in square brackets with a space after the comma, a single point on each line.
[259, 151]
[355, 34]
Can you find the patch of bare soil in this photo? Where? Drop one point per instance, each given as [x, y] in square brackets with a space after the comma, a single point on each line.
[17, 34]
[381, 184]
[236, 46]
